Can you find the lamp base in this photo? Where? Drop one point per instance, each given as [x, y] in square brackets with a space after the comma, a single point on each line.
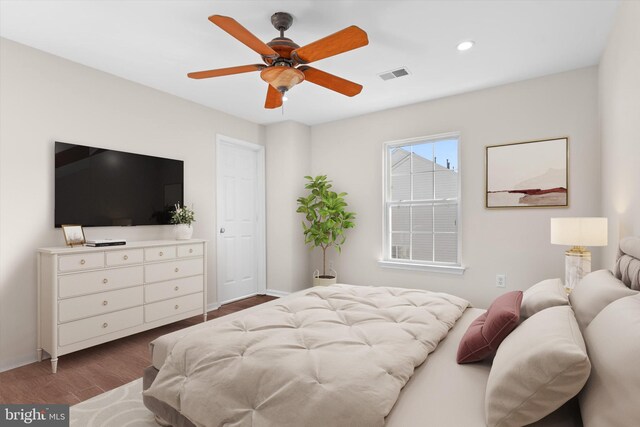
[577, 264]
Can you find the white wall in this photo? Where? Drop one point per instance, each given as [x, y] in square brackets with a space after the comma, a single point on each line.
[511, 241]
[288, 160]
[46, 98]
[620, 126]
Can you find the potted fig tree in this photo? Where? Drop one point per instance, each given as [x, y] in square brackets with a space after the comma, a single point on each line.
[325, 221]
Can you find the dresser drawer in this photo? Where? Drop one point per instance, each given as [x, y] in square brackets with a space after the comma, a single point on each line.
[92, 327]
[104, 302]
[173, 270]
[190, 250]
[159, 253]
[126, 257]
[88, 261]
[173, 288]
[90, 282]
[171, 307]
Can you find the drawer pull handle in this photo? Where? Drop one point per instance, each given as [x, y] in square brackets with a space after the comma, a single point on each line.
[176, 288]
[82, 262]
[177, 306]
[105, 302]
[105, 281]
[126, 257]
[177, 269]
[161, 253]
[105, 324]
[190, 251]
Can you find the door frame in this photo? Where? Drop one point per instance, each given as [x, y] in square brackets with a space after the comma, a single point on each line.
[261, 245]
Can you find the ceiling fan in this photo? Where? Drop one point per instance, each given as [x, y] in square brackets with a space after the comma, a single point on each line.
[286, 61]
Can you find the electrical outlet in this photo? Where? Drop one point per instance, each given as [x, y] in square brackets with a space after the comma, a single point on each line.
[501, 280]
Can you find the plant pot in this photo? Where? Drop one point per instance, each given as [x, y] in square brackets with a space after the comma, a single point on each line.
[325, 280]
[183, 231]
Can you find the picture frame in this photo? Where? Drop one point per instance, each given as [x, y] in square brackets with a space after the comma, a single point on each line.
[530, 174]
[73, 235]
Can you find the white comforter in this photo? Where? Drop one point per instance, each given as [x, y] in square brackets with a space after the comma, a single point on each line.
[336, 356]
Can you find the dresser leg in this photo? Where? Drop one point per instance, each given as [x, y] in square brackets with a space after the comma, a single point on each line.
[54, 365]
[205, 316]
[39, 350]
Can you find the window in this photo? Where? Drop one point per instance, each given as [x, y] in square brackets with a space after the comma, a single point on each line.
[422, 199]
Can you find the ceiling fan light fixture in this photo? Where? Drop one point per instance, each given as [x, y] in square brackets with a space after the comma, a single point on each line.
[282, 78]
[466, 45]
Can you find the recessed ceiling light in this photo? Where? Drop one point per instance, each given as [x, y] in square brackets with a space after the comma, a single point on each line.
[465, 45]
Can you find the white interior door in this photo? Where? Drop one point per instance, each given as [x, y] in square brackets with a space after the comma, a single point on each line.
[240, 199]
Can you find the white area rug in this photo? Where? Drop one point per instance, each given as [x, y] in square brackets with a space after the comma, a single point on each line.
[120, 407]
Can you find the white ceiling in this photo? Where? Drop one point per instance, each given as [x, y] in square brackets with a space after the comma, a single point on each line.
[157, 43]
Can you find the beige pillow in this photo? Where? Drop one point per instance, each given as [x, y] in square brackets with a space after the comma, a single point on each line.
[611, 395]
[542, 364]
[545, 294]
[594, 292]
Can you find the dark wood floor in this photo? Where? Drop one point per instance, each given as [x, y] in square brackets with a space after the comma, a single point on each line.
[87, 373]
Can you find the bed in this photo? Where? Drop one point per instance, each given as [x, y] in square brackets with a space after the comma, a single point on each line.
[441, 392]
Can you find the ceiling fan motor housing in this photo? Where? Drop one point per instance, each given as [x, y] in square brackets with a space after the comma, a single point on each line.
[283, 47]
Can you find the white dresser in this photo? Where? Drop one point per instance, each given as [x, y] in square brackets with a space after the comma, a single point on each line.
[88, 296]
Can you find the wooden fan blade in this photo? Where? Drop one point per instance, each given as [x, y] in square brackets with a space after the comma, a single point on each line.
[225, 71]
[330, 81]
[343, 41]
[245, 36]
[274, 98]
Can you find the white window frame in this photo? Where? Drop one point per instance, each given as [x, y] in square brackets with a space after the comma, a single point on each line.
[387, 261]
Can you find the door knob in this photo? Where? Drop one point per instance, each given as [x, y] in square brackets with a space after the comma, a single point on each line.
[222, 230]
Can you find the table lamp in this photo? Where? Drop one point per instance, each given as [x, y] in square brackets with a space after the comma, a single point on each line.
[578, 233]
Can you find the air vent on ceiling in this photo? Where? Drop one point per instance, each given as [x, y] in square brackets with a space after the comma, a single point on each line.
[394, 74]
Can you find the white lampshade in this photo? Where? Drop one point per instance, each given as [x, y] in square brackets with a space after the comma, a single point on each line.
[579, 231]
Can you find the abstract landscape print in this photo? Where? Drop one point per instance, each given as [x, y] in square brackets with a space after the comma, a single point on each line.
[527, 174]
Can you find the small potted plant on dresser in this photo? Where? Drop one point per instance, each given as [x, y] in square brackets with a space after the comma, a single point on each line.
[325, 220]
[182, 217]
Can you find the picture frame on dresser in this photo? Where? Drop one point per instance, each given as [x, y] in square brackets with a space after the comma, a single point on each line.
[73, 234]
[91, 295]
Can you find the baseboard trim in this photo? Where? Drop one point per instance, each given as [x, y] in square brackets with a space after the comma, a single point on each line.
[276, 293]
[18, 362]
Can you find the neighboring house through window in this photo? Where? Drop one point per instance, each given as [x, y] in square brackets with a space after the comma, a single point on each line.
[422, 200]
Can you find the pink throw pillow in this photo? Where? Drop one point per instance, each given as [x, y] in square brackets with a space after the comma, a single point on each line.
[486, 333]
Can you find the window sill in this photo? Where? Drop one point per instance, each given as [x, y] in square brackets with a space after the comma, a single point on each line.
[448, 269]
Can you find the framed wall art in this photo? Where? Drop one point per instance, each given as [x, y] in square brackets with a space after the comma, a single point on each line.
[528, 174]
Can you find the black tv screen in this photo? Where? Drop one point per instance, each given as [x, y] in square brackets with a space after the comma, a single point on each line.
[100, 187]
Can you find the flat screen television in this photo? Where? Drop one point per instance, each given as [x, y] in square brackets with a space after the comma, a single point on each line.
[100, 187]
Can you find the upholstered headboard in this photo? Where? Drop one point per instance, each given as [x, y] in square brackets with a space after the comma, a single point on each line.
[628, 262]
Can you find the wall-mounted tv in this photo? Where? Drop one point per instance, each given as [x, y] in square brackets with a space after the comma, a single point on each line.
[100, 187]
